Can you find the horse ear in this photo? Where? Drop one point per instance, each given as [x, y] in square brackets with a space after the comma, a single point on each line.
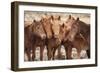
[59, 18]
[52, 17]
[34, 20]
[69, 16]
[77, 19]
[62, 25]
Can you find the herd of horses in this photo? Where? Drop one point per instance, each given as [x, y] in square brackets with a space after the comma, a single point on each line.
[51, 32]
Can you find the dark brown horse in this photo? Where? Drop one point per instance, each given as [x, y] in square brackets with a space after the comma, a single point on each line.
[34, 36]
[73, 29]
[28, 41]
[85, 34]
[78, 38]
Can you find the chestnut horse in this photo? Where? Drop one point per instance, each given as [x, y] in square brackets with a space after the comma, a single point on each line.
[47, 25]
[58, 31]
[78, 38]
[52, 29]
[34, 36]
[72, 26]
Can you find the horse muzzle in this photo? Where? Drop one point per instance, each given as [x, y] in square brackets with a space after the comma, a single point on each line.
[43, 36]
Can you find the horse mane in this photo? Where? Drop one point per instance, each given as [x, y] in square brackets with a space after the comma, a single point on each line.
[84, 32]
[45, 20]
[84, 28]
[28, 28]
[84, 24]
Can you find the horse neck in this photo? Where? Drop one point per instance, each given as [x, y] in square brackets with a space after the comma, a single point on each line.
[51, 27]
[28, 28]
[43, 27]
[61, 34]
[48, 21]
[85, 26]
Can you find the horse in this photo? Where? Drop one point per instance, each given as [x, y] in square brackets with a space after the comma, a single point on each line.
[61, 36]
[85, 34]
[78, 38]
[28, 41]
[34, 36]
[52, 29]
[59, 30]
[72, 26]
[47, 25]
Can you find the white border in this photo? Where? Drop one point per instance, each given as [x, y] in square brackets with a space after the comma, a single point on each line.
[23, 64]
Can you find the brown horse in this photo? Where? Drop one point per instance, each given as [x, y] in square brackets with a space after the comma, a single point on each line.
[78, 38]
[28, 41]
[47, 25]
[72, 30]
[59, 31]
[58, 34]
[61, 36]
[85, 34]
[46, 21]
[34, 36]
[52, 29]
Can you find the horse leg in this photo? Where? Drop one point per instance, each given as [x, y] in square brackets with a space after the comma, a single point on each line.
[28, 54]
[59, 52]
[53, 53]
[49, 52]
[78, 52]
[41, 52]
[68, 52]
[88, 53]
[33, 53]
